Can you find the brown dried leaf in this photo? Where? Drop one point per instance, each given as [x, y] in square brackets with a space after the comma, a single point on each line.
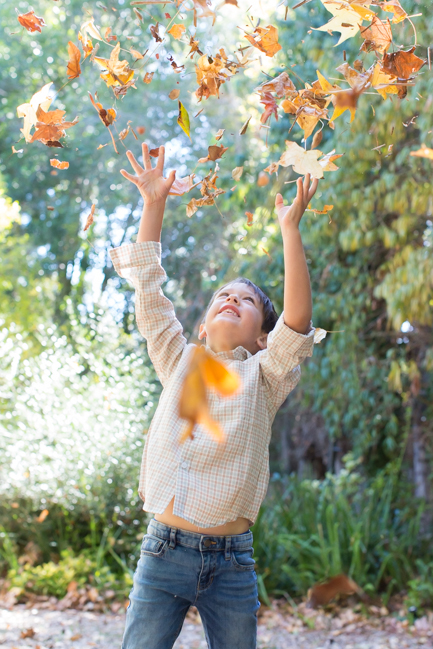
[73, 67]
[182, 186]
[250, 217]
[265, 39]
[321, 594]
[377, 36]
[148, 77]
[263, 179]
[220, 133]
[89, 220]
[402, 64]
[177, 31]
[245, 126]
[174, 94]
[423, 152]
[31, 22]
[59, 165]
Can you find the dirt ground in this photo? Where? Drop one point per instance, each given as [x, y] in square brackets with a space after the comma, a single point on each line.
[24, 626]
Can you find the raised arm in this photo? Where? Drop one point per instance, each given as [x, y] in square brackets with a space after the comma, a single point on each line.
[141, 263]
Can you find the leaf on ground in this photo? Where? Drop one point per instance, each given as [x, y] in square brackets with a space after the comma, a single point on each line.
[265, 39]
[27, 633]
[182, 186]
[321, 594]
[177, 30]
[183, 119]
[423, 152]
[89, 219]
[73, 67]
[204, 372]
[31, 22]
[59, 165]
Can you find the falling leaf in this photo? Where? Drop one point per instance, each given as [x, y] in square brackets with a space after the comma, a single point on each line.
[87, 45]
[394, 7]
[237, 173]
[89, 219]
[211, 72]
[245, 126]
[40, 519]
[327, 161]
[220, 133]
[183, 119]
[321, 594]
[117, 72]
[155, 33]
[423, 152]
[325, 210]
[265, 251]
[402, 64]
[107, 117]
[250, 217]
[345, 20]
[272, 168]
[265, 39]
[139, 14]
[182, 186]
[319, 335]
[14, 150]
[50, 127]
[215, 152]
[317, 138]
[174, 94]
[263, 179]
[141, 129]
[59, 165]
[303, 162]
[270, 107]
[31, 22]
[280, 85]
[377, 36]
[346, 100]
[42, 98]
[148, 77]
[73, 67]
[135, 53]
[109, 37]
[204, 6]
[28, 633]
[204, 371]
[177, 30]
[90, 28]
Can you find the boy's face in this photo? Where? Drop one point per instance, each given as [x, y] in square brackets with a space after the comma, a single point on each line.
[235, 318]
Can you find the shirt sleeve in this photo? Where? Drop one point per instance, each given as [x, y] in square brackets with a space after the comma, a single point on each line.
[140, 263]
[280, 362]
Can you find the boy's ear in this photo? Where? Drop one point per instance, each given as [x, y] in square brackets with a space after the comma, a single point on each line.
[202, 332]
[262, 341]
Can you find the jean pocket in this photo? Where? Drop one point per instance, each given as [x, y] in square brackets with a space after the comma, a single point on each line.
[153, 546]
[243, 559]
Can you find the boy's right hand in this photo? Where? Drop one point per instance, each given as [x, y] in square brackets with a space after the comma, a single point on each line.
[151, 183]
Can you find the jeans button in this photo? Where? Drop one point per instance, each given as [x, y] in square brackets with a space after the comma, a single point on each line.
[207, 543]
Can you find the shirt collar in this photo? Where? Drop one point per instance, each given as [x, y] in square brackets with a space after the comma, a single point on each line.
[238, 354]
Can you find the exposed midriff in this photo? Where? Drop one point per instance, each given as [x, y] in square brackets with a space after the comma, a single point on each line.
[239, 526]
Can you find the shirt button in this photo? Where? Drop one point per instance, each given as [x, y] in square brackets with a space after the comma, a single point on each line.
[184, 465]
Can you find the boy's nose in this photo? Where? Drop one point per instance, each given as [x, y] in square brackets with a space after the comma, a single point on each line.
[232, 297]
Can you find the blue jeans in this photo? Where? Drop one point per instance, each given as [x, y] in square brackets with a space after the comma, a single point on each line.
[178, 569]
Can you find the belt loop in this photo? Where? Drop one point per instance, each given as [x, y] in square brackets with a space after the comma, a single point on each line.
[173, 531]
[227, 548]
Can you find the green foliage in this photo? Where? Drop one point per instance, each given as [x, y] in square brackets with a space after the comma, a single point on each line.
[312, 530]
[54, 578]
[420, 589]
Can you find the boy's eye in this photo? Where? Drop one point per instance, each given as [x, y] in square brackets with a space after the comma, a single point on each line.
[250, 298]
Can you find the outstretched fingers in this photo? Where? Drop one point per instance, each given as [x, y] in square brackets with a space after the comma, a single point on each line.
[134, 164]
[313, 189]
[146, 157]
[130, 177]
[161, 156]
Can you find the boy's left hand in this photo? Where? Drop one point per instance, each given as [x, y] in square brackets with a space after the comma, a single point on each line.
[290, 216]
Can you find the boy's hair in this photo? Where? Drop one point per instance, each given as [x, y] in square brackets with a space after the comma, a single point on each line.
[270, 316]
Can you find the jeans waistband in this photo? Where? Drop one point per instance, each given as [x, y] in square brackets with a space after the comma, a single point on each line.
[203, 542]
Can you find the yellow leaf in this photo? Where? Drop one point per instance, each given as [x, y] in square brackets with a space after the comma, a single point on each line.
[183, 119]
[177, 30]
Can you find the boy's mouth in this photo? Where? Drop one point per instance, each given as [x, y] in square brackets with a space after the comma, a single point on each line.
[230, 309]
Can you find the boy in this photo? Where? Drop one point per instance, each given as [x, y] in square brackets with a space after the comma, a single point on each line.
[205, 496]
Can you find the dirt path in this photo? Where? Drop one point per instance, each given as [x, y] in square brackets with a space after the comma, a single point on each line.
[73, 629]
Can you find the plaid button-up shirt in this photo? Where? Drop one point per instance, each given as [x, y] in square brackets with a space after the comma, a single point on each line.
[212, 483]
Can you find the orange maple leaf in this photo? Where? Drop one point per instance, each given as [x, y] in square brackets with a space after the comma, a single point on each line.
[266, 39]
[31, 22]
[73, 67]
